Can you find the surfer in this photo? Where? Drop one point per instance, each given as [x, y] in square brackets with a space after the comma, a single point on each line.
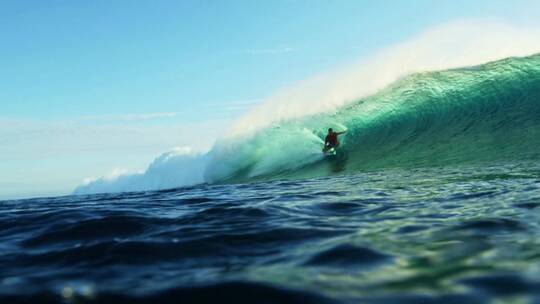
[331, 140]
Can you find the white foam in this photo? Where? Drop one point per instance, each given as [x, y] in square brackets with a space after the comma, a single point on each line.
[179, 167]
[452, 45]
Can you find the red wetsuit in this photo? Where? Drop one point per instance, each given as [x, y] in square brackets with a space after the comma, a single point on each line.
[332, 140]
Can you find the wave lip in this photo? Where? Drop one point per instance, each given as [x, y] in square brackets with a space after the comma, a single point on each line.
[482, 113]
[391, 102]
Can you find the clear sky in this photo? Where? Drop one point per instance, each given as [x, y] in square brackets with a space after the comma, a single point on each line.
[87, 87]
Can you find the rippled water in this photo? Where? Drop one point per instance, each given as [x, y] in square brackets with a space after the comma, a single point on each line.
[468, 234]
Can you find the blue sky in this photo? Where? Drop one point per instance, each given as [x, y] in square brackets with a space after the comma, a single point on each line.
[91, 86]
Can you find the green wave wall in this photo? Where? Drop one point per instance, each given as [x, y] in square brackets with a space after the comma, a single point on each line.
[483, 113]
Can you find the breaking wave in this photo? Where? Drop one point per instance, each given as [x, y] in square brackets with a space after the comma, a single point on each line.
[463, 92]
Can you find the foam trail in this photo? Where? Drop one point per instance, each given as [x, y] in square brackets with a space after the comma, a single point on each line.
[179, 167]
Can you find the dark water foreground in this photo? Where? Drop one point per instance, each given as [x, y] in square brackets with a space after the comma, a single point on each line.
[468, 234]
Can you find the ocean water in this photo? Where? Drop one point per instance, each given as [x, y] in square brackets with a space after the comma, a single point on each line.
[433, 197]
[466, 233]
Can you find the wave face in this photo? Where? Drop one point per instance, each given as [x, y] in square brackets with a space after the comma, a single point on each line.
[483, 113]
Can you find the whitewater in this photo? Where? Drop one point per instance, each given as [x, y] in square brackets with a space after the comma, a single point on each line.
[433, 197]
[456, 93]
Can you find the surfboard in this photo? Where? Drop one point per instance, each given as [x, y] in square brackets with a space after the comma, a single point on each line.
[330, 152]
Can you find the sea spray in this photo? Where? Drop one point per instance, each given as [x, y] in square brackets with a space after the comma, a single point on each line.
[481, 113]
[394, 104]
[181, 166]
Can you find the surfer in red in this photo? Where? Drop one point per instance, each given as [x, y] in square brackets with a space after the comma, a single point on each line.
[331, 140]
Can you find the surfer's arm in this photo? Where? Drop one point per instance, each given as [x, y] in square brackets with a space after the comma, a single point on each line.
[343, 132]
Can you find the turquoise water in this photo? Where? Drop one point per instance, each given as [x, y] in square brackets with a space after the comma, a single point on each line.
[433, 197]
[484, 113]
